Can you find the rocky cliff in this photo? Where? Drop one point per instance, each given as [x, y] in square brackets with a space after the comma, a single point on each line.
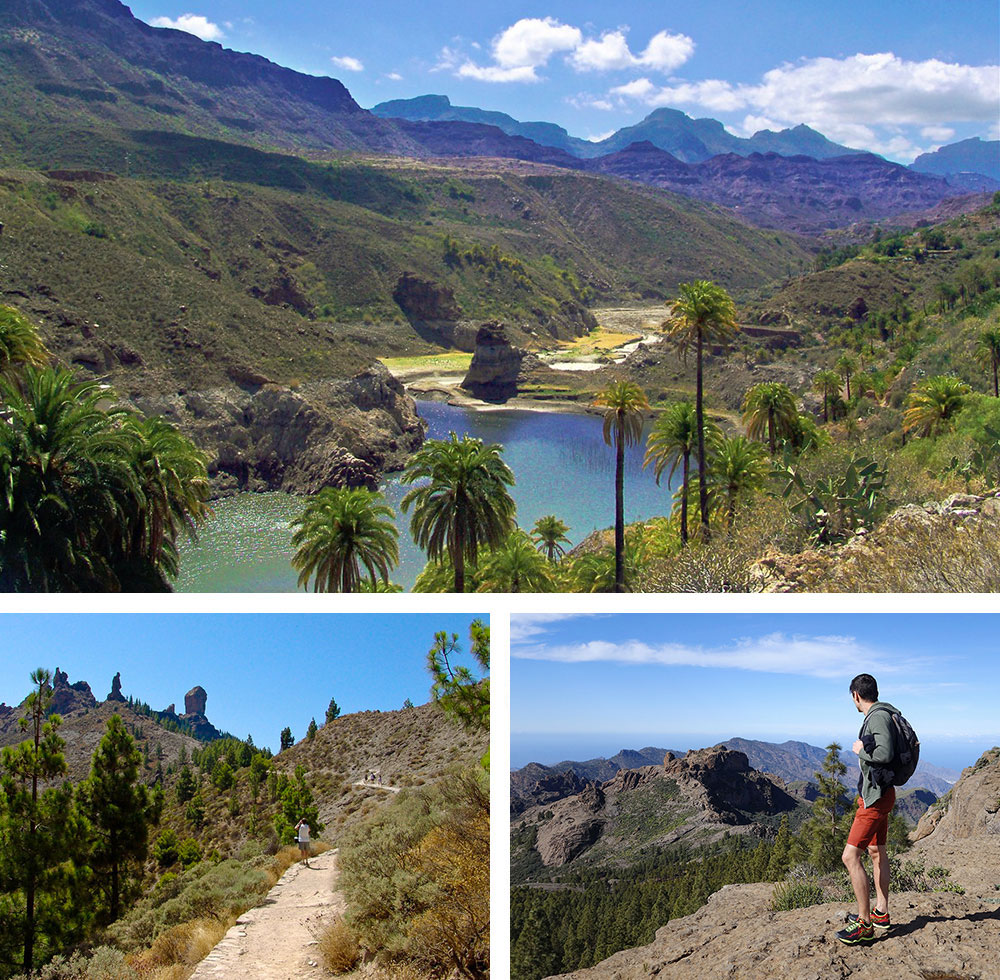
[697, 798]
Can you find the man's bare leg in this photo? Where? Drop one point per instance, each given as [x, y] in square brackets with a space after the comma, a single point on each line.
[853, 861]
[880, 866]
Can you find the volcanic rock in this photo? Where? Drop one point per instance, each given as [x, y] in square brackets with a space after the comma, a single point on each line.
[68, 697]
[194, 701]
[116, 689]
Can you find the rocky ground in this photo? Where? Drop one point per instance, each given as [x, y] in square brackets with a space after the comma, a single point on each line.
[935, 936]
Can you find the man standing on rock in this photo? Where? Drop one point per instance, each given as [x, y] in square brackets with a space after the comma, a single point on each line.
[874, 748]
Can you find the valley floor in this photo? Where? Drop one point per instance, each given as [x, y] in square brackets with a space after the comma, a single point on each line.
[277, 940]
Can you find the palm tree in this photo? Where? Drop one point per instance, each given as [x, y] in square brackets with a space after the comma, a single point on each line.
[516, 566]
[174, 489]
[549, 533]
[739, 467]
[988, 353]
[464, 505]
[20, 345]
[770, 407]
[934, 403]
[340, 530]
[703, 313]
[845, 367]
[827, 384]
[624, 402]
[670, 443]
[67, 487]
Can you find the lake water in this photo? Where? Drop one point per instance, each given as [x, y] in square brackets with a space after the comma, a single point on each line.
[560, 462]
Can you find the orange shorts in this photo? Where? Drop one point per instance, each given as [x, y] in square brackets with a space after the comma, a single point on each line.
[871, 823]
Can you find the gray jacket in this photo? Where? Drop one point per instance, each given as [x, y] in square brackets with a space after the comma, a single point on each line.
[878, 750]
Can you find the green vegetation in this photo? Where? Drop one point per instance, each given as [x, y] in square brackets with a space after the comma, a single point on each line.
[339, 531]
[464, 505]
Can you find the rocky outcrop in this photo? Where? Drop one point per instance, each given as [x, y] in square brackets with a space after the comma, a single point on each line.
[548, 788]
[498, 367]
[116, 689]
[343, 432]
[707, 793]
[68, 697]
[424, 299]
[496, 364]
[195, 700]
[940, 546]
[972, 808]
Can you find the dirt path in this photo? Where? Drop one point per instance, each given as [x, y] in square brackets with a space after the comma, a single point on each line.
[277, 939]
[387, 788]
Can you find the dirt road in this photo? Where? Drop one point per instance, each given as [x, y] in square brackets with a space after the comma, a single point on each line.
[277, 939]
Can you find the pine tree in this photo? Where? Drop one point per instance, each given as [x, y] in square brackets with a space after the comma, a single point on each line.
[286, 739]
[332, 711]
[185, 785]
[311, 730]
[39, 827]
[822, 834]
[777, 867]
[120, 810]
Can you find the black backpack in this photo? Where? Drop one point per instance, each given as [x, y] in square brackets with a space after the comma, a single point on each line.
[906, 752]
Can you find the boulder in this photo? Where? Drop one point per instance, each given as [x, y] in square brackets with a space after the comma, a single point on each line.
[68, 697]
[425, 300]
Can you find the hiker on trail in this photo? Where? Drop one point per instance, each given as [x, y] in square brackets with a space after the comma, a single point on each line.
[302, 836]
[875, 749]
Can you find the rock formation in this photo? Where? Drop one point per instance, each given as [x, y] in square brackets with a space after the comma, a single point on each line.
[707, 793]
[116, 689]
[194, 701]
[498, 367]
[68, 697]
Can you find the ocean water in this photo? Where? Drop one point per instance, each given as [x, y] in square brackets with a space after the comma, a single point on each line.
[560, 462]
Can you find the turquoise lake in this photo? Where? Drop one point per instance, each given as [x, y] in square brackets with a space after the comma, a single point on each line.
[560, 461]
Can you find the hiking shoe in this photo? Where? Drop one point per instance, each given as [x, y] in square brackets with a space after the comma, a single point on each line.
[880, 920]
[856, 932]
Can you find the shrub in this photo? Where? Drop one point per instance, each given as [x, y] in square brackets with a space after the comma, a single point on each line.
[790, 895]
[338, 945]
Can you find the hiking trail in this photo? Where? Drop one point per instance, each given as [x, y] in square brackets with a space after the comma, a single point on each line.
[277, 940]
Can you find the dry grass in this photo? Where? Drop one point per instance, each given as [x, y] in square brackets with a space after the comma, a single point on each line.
[176, 952]
[338, 946]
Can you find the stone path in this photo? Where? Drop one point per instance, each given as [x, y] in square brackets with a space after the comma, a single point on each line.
[277, 940]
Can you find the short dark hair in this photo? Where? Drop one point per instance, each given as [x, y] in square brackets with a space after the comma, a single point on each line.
[865, 686]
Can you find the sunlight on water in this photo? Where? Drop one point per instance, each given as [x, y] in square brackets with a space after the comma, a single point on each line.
[560, 461]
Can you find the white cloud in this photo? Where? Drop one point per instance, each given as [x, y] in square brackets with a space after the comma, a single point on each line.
[939, 134]
[610, 52]
[528, 626]
[638, 89]
[532, 41]
[814, 656]
[667, 51]
[194, 24]
[394, 76]
[347, 63]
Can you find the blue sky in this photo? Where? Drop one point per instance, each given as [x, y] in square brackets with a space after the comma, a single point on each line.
[626, 681]
[897, 77]
[261, 672]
